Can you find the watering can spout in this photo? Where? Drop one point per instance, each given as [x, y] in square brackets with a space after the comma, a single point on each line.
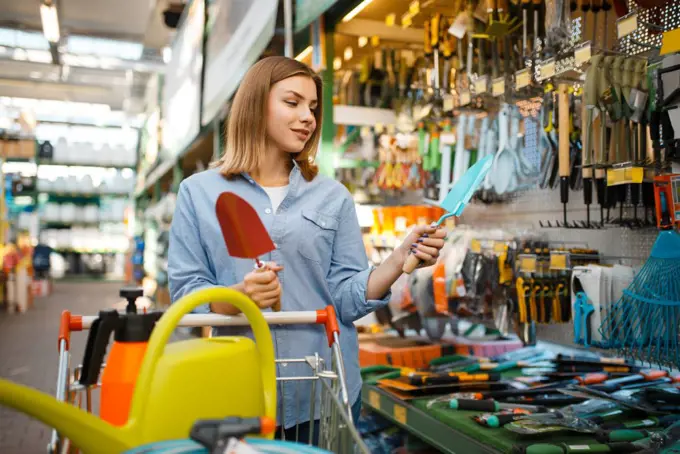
[86, 431]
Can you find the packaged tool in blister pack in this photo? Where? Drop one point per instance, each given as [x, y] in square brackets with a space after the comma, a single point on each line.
[667, 200]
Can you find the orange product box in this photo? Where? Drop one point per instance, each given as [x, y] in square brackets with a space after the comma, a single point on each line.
[400, 352]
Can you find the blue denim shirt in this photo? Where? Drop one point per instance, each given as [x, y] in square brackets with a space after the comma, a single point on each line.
[318, 242]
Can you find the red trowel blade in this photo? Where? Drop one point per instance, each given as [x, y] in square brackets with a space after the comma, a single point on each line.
[242, 229]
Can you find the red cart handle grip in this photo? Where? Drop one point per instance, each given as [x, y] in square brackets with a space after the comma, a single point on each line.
[328, 318]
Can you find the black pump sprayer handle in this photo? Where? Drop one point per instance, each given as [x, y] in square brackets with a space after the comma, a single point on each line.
[131, 294]
[97, 342]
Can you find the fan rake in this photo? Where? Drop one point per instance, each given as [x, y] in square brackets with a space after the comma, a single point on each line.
[645, 322]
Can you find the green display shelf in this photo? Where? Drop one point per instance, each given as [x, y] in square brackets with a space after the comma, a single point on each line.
[453, 432]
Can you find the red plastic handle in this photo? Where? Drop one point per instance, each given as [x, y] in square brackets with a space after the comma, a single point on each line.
[328, 318]
[64, 329]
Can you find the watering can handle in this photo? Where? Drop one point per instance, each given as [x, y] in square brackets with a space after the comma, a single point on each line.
[170, 320]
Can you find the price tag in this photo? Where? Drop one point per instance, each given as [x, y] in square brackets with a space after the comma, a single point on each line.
[375, 41]
[500, 248]
[406, 20]
[475, 246]
[625, 175]
[498, 87]
[464, 98]
[447, 102]
[447, 138]
[548, 69]
[528, 263]
[374, 399]
[582, 54]
[481, 85]
[414, 7]
[379, 128]
[390, 19]
[626, 25]
[400, 414]
[522, 79]
[559, 260]
[391, 129]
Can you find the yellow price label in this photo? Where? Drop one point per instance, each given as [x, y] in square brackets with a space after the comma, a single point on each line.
[400, 414]
[391, 19]
[548, 69]
[498, 87]
[374, 399]
[558, 261]
[626, 25]
[670, 42]
[406, 20]
[379, 128]
[583, 54]
[465, 98]
[414, 7]
[499, 248]
[391, 129]
[481, 85]
[476, 246]
[625, 175]
[522, 79]
[375, 41]
[528, 264]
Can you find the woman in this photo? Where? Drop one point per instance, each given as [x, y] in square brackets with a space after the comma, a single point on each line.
[272, 137]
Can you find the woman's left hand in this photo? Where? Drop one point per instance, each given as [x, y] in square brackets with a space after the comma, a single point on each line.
[425, 242]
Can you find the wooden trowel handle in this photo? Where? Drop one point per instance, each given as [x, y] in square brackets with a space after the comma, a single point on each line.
[563, 99]
[410, 264]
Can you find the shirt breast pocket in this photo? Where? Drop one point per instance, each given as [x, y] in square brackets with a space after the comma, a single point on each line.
[317, 236]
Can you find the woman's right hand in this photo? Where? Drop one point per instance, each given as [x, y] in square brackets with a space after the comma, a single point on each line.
[263, 286]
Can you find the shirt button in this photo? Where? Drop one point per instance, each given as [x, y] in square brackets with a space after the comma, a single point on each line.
[268, 211]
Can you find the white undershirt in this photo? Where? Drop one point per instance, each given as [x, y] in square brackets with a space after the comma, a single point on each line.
[276, 195]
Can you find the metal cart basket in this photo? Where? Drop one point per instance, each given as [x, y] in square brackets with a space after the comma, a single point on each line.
[329, 394]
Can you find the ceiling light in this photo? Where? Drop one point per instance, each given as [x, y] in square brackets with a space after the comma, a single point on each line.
[337, 63]
[359, 8]
[363, 40]
[50, 22]
[304, 54]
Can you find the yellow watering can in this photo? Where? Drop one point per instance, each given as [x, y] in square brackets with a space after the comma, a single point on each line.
[178, 384]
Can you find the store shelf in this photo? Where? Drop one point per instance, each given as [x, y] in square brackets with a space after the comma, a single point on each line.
[85, 164]
[421, 424]
[363, 116]
[84, 195]
[199, 150]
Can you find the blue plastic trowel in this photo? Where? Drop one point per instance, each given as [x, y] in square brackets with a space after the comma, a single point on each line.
[457, 199]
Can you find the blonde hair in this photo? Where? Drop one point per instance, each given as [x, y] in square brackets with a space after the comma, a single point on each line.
[246, 135]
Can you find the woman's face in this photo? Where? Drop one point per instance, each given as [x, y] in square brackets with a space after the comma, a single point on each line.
[290, 113]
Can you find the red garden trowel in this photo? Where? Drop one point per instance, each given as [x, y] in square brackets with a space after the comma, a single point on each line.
[243, 232]
[456, 200]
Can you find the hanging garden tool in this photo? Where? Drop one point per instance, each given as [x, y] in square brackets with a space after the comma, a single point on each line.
[456, 200]
[563, 158]
[243, 232]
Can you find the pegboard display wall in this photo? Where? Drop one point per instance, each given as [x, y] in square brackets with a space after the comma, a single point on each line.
[651, 23]
[526, 211]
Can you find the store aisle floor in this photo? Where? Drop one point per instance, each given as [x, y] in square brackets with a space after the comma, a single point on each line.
[28, 354]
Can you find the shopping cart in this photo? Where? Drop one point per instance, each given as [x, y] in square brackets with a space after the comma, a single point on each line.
[326, 382]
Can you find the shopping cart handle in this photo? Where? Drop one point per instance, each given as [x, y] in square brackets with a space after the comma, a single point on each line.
[68, 323]
[326, 317]
[330, 320]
